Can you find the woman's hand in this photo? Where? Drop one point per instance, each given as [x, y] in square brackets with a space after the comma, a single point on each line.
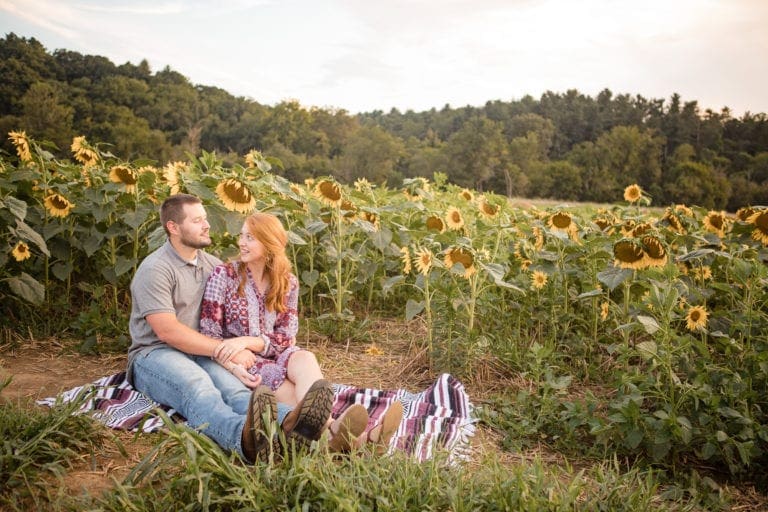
[245, 358]
[251, 381]
[228, 348]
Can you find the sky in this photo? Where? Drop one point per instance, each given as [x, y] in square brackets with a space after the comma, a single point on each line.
[365, 55]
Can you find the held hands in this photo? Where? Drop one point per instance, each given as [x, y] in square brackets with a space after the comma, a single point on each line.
[239, 371]
[227, 349]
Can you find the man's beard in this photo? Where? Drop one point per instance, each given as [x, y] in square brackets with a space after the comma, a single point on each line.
[194, 243]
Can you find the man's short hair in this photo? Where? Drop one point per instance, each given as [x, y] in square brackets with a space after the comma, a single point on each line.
[172, 209]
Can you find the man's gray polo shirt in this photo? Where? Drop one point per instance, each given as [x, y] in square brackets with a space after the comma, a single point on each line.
[165, 283]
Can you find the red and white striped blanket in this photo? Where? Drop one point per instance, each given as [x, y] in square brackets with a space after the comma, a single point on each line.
[439, 417]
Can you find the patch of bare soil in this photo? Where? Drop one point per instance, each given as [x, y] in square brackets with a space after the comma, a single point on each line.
[44, 368]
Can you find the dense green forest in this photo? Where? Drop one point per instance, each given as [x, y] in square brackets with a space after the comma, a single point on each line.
[565, 146]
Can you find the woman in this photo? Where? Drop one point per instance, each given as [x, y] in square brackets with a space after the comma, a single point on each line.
[258, 296]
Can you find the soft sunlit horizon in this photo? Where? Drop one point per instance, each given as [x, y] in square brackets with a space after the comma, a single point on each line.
[423, 54]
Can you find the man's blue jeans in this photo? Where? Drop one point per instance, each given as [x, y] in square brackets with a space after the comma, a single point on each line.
[201, 390]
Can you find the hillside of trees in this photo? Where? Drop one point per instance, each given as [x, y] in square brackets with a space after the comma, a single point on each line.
[565, 146]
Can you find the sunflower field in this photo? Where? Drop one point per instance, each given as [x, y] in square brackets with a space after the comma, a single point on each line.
[639, 331]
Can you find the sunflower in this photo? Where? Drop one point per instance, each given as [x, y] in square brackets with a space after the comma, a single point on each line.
[235, 195]
[538, 279]
[633, 193]
[20, 251]
[627, 227]
[672, 218]
[716, 222]
[363, 185]
[562, 221]
[466, 194]
[84, 152]
[57, 205]
[487, 209]
[640, 229]
[538, 236]
[743, 214]
[252, 157]
[370, 217]
[453, 219]
[374, 350]
[696, 319]
[423, 260]
[760, 221]
[629, 253]
[702, 273]
[655, 253]
[328, 192]
[683, 210]
[405, 256]
[21, 142]
[456, 255]
[604, 311]
[605, 222]
[125, 175]
[435, 223]
[172, 174]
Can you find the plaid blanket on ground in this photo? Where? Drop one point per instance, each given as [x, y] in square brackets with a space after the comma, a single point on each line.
[439, 417]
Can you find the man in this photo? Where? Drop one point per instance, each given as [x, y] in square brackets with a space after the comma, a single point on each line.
[175, 365]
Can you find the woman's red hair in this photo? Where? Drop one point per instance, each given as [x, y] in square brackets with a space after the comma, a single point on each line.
[267, 229]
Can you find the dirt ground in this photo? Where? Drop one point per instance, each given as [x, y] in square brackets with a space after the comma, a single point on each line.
[44, 368]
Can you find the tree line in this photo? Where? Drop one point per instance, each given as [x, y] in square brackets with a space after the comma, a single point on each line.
[565, 146]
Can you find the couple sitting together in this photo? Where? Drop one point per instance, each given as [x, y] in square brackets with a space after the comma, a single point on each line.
[216, 341]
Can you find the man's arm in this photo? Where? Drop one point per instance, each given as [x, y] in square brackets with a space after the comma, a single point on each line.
[189, 341]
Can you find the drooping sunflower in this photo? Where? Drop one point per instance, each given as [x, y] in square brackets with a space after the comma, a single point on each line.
[760, 221]
[538, 280]
[453, 219]
[370, 217]
[84, 152]
[684, 210]
[423, 260]
[604, 308]
[235, 195]
[487, 210]
[538, 238]
[672, 218]
[641, 229]
[744, 213]
[125, 175]
[328, 192]
[605, 222]
[456, 255]
[466, 194]
[627, 227]
[655, 253]
[405, 256]
[57, 205]
[435, 223]
[716, 222]
[633, 193]
[21, 251]
[21, 142]
[696, 319]
[629, 253]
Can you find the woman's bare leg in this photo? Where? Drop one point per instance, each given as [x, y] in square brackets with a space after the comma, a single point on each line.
[303, 370]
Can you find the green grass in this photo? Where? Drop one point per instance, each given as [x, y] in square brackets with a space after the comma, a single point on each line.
[185, 470]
